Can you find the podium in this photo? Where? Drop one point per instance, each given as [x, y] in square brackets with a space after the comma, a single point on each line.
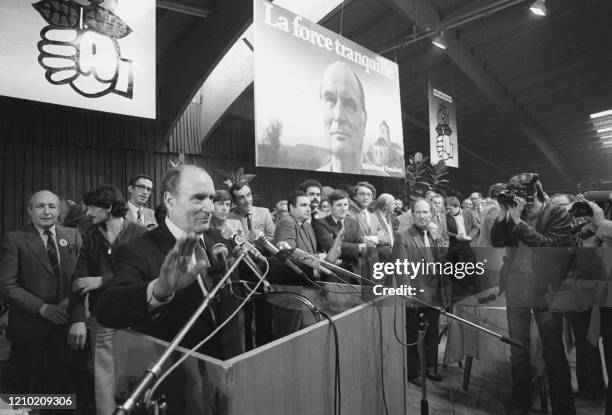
[292, 375]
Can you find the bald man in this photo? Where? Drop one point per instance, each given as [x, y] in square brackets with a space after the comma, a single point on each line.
[36, 265]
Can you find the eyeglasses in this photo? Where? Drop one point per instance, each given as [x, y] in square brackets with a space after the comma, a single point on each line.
[143, 187]
[362, 194]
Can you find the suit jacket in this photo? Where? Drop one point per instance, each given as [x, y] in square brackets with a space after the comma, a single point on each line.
[261, 219]
[459, 251]
[368, 230]
[27, 280]
[149, 217]
[405, 221]
[410, 246]
[439, 219]
[124, 303]
[297, 236]
[485, 250]
[326, 231]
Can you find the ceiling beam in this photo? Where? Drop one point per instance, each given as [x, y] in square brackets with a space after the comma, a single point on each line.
[189, 9]
[425, 15]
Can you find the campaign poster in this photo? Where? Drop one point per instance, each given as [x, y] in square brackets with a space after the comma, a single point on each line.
[442, 128]
[322, 102]
[93, 54]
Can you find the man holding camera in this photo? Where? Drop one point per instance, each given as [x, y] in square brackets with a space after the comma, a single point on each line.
[538, 235]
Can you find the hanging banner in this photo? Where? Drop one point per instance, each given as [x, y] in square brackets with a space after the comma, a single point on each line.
[323, 102]
[442, 128]
[94, 54]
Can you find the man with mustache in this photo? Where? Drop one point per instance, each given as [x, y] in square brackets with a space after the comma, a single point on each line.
[313, 190]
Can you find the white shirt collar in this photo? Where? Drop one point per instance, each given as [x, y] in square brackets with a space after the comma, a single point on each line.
[41, 231]
[178, 232]
[133, 207]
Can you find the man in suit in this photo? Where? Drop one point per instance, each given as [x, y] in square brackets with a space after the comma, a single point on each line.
[294, 231]
[156, 288]
[326, 230]
[36, 265]
[439, 218]
[253, 217]
[140, 188]
[363, 195]
[313, 190]
[388, 225]
[460, 222]
[416, 244]
[477, 201]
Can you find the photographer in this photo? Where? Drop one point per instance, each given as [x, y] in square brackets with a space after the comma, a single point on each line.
[603, 240]
[536, 233]
[589, 372]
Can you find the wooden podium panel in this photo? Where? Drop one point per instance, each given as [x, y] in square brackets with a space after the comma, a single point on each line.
[292, 375]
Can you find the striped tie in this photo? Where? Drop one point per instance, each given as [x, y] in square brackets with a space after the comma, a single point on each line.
[52, 253]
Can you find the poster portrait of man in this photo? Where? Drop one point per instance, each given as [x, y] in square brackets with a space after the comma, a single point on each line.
[333, 107]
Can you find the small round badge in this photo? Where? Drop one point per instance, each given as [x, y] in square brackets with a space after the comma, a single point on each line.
[63, 242]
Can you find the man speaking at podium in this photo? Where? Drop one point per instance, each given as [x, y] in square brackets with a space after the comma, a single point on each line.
[155, 290]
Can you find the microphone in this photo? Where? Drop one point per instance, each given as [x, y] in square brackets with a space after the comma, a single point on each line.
[241, 242]
[260, 240]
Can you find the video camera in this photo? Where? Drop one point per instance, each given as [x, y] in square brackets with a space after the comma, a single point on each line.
[509, 197]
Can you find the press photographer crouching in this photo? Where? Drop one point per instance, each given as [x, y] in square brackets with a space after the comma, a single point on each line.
[536, 233]
[593, 273]
[586, 268]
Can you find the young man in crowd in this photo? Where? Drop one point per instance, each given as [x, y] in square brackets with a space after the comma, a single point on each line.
[140, 188]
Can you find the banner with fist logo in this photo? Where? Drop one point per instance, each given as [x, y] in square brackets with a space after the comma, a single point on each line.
[93, 54]
[442, 128]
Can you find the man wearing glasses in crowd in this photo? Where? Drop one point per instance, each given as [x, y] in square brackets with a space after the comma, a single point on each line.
[140, 188]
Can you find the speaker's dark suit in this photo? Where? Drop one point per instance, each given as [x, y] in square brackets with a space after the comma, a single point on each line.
[124, 303]
[27, 281]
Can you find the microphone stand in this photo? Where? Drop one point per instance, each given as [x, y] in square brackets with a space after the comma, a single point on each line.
[155, 369]
[422, 329]
[441, 310]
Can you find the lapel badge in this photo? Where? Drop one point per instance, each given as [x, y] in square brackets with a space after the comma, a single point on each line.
[63, 243]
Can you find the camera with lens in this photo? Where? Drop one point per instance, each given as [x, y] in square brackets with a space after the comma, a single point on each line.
[509, 198]
[581, 209]
[524, 186]
[578, 214]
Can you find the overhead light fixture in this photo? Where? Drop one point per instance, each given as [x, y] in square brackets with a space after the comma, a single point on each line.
[538, 8]
[601, 114]
[603, 137]
[604, 130]
[439, 41]
[605, 143]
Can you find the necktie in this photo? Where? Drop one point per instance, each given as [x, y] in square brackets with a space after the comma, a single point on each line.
[200, 255]
[139, 217]
[249, 222]
[200, 252]
[339, 224]
[52, 253]
[426, 240]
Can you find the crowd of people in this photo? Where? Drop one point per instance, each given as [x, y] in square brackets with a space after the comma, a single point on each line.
[125, 265]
